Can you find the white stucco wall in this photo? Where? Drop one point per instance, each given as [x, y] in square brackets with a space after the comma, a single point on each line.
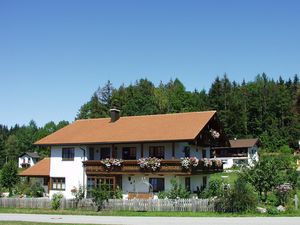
[139, 183]
[72, 171]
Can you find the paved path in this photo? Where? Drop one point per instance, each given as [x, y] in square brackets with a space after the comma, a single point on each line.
[152, 220]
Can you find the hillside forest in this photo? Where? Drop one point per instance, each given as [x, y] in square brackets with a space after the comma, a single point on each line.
[264, 108]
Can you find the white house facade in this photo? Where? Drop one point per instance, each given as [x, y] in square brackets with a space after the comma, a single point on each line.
[240, 152]
[137, 154]
[28, 159]
[67, 174]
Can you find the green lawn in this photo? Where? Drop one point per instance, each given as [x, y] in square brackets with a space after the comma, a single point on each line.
[131, 213]
[228, 177]
[28, 223]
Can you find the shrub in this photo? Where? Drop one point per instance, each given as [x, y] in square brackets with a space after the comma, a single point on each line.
[22, 187]
[101, 195]
[285, 149]
[283, 192]
[117, 193]
[272, 211]
[177, 191]
[162, 195]
[238, 199]
[78, 195]
[214, 190]
[35, 190]
[242, 197]
[56, 201]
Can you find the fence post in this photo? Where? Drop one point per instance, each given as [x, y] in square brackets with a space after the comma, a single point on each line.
[296, 201]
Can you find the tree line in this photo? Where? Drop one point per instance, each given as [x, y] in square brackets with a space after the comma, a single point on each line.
[19, 139]
[264, 108]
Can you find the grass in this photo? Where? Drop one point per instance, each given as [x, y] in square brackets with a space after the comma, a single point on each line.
[28, 223]
[132, 213]
[230, 176]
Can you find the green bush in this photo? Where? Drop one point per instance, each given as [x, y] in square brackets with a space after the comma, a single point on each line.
[215, 189]
[22, 187]
[272, 211]
[100, 195]
[117, 193]
[35, 190]
[56, 201]
[240, 198]
[272, 199]
[177, 191]
[162, 195]
[78, 194]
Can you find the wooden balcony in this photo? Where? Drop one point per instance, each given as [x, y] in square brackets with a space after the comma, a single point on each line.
[93, 167]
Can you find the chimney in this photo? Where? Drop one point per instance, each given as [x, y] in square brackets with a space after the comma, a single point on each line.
[114, 115]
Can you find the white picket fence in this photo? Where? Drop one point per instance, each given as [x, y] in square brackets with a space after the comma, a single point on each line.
[183, 205]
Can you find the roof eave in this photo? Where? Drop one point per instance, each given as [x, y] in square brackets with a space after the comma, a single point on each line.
[115, 142]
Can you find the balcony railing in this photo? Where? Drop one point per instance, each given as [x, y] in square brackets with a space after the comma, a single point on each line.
[132, 167]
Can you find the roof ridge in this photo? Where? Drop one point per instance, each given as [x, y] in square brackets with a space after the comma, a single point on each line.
[149, 115]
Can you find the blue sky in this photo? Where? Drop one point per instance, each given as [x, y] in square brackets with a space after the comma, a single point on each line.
[54, 54]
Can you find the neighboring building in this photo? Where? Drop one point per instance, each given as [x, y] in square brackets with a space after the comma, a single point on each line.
[78, 151]
[240, 152]
[40, 172]
[28, 159]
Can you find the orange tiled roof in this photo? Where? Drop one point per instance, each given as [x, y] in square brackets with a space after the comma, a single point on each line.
[40, 169]
[163, 127]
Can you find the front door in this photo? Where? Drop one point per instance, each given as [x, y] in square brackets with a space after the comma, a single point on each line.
[105, 153]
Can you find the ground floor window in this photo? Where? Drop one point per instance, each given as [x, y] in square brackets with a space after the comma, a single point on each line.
[157, 184]
[45, 181]
[188, 183]
[58, 183]
[95, 182]
[204, 182]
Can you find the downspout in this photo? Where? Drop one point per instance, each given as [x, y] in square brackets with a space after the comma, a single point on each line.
[83, 177]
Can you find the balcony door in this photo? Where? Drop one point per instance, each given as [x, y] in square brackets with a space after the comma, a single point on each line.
[105, 153]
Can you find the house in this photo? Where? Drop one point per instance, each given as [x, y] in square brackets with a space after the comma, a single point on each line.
[40, 172]
[28, 159]
[138, 154]
[240, 152]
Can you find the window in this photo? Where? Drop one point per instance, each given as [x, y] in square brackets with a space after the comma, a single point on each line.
[204, 153]
[68, 154]
[187, 151]
[129, 153]
[157, 151]
[58, 183]
[91, 154]
[105, 153]
[204, 181]
[95, 182]
[188, 183]
[157, 184]
[45, 181]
